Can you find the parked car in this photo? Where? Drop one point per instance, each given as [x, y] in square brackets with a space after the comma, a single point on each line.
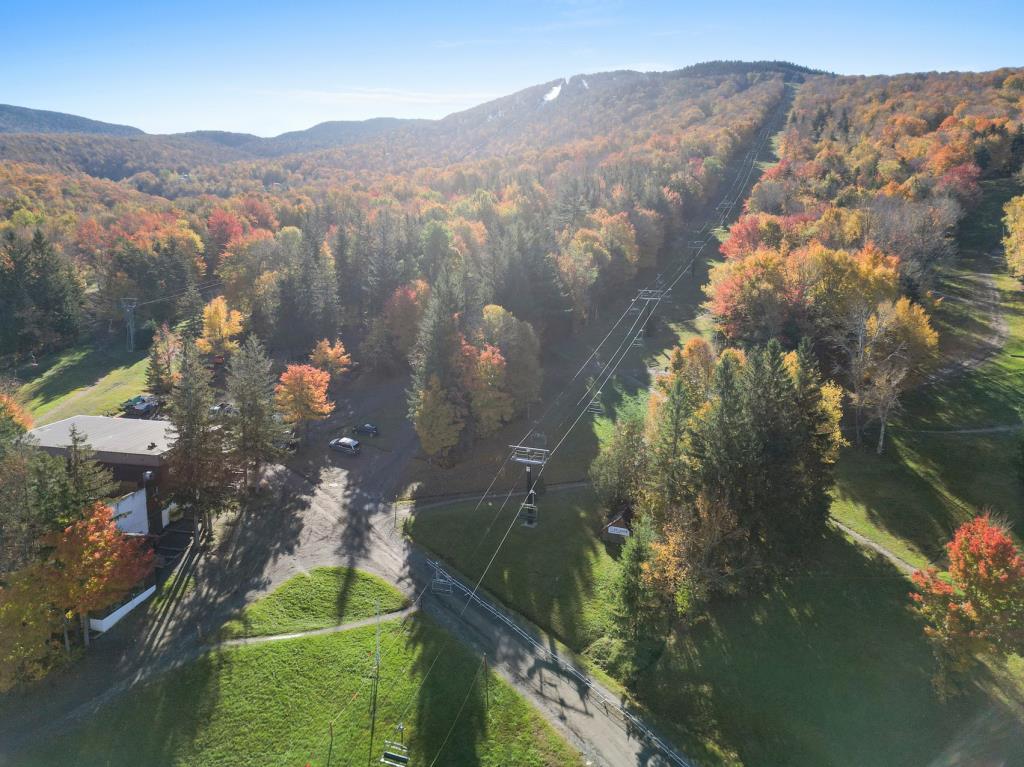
[345, 445]
[367, 428]
[141, 406]
[222, 408]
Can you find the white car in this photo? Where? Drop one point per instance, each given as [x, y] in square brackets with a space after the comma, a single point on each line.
[345, 445]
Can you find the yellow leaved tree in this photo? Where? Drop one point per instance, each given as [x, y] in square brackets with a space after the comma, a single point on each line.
[220, 326]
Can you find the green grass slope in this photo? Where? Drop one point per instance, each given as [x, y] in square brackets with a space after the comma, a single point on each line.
[273, 704]
[828, 667]
[86, 380]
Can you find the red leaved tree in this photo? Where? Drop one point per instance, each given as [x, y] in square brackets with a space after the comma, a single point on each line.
[403, 312]
[979, 605]
[95, 564]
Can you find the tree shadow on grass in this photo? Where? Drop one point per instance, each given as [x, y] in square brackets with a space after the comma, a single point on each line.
[546, 573]
[450, 716]
[829, 666]
[976, 399]
[896, 497]
[156, 723]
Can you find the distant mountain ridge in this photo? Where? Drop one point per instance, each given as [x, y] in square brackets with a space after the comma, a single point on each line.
[563, 110]
[14, 119]
[24, 120]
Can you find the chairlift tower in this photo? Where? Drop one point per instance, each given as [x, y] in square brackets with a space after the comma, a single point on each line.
[128, 305]
[529, 457]
[653, 294]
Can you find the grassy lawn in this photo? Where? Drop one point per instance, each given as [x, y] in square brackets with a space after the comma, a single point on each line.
[272, 704]
[325, 596]
[828, 667]
[87, 380]
[560, 575]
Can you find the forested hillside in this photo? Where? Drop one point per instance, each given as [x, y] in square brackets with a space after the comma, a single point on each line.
[21, 120]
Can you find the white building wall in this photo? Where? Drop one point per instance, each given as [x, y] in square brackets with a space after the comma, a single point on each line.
[104, 624]
[130, 513]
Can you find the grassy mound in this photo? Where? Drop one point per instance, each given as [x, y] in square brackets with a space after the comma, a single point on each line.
[325, 596]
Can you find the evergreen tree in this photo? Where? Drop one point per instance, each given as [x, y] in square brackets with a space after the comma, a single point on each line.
[438, 343]
[254, 433]
[162, 355]
[197, 455]
[348, 277]
[33, 493]
[718, 437]
[291, 323]
[772, 472]
[87, 481]
[818, 412]
[383, 271]
[435, 249]
[637, 604]
[40, 296]
[619, 466]
[670, 407]
[319, 306]
[378, 351]
[190, 311]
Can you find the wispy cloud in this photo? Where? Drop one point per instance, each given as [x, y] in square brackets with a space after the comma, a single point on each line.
[359, 95]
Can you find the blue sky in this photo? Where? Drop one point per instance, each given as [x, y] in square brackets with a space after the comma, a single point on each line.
[265, 68]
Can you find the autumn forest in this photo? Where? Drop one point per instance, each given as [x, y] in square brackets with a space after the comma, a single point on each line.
[855, 246]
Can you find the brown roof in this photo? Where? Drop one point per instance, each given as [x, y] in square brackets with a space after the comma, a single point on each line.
[114, 440]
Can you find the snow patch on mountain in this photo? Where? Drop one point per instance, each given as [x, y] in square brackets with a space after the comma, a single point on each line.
[552, 94]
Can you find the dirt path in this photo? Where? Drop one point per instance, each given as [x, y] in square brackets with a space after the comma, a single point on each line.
[901, 564]
[980, 430]
[984, 301]
[240, 641]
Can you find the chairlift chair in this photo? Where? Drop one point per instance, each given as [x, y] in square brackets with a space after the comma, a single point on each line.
[441, 583]
[528, 513]
[395, 754]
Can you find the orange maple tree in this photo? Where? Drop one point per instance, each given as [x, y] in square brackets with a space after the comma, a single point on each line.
[302, 394]
[13, 415]
[95, 564]
[331, 357]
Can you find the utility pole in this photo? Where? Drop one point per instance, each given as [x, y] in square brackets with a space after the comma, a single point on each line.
[487, 688]
[373, 691]
[128, 305]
